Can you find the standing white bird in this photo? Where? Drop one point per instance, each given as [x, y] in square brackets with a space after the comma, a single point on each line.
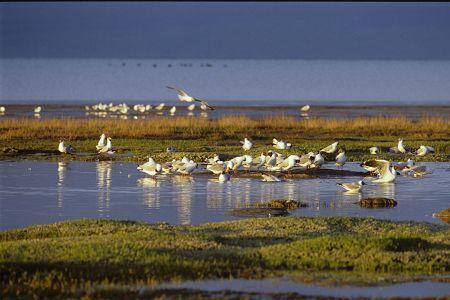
[191, 107]
[101, 142]
[374, 150]
[401, 147]
[173, 110]
[352, 186]
[289, 163]
[183, 96]
[38, 109]
[319, 160]
[187, 168]
[65, 149]
[386, 173]
[2, 109]
[331, 148]
[246, 144]
[305, 108]
[341, 158]
[107, 148]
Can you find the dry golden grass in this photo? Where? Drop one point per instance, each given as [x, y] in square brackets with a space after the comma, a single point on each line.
[225, 127]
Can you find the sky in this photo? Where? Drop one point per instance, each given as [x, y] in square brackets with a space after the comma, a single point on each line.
[401, 31]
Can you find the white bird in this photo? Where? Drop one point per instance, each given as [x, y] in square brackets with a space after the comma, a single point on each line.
[150, 169]
[407, 164]
[400, 146]
[386, 172]
[331, 148]
[38, 109]
[215, 168]
[319, 160]
[352, 186]
[374, 150]
[307, 160]
[271, 162]
[213, 160]
[148, 107]
[224, 177]
[191, 107]
[183, 96]
[2, 109]
[101, 142]
[173, 110]
[246, 144]
[282, 145]
[288, 163]
[417, 171]
[160, 106]
[65, 149]
[341, 159]
[270, 178]
[259, 161]
[305, 108]
[107, 148]
[424, 150]
[187, 168]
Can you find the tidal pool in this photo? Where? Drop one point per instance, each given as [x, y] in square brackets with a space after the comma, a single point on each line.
[39, 192]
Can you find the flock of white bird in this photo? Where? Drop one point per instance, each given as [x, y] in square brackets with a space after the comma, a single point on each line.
[274, 162]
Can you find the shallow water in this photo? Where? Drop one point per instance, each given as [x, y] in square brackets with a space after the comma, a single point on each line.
[39, 192]
[283, 285]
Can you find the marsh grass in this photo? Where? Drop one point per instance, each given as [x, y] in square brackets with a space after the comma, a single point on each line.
[72, 258]
[225, 127]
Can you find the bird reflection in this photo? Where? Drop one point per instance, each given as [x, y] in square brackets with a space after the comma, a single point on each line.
[184, 186]
[62, 168]
[104, 169]
[152, 193]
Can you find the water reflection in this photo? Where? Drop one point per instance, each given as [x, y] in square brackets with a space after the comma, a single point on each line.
[104, 169]
[91, 192]
[62, 169]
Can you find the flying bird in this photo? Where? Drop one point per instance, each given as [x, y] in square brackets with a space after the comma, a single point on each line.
[185, 97]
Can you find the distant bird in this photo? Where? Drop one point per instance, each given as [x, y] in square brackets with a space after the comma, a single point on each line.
[417, 171]
[101, 142]
[191, 107]
[246, 144]
[288, 163]
[270, 178]
[424, 150]
[330, 149]
[341, 159]
[305, 108]
[38, 109]
[108, 148]
[171, 149]
[307, 160]
[402, 165]
[282, 145]
[2, 109]
[183, 96]
[173, 110]
[352, 186]
[224, 177]
[374, 150]
[215, 159]
[65, 149]
[160, 106]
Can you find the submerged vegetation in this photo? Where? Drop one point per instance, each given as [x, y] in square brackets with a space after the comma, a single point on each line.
[199, 138]
[78, 258]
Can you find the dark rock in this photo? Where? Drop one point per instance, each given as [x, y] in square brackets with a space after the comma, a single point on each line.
[287, 204]
[377, 202]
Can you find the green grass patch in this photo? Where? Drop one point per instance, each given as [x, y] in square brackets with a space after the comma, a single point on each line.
[69, 259]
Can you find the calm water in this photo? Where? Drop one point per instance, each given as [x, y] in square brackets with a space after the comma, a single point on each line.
[284, 285]
[222, 81]
[38, 192]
